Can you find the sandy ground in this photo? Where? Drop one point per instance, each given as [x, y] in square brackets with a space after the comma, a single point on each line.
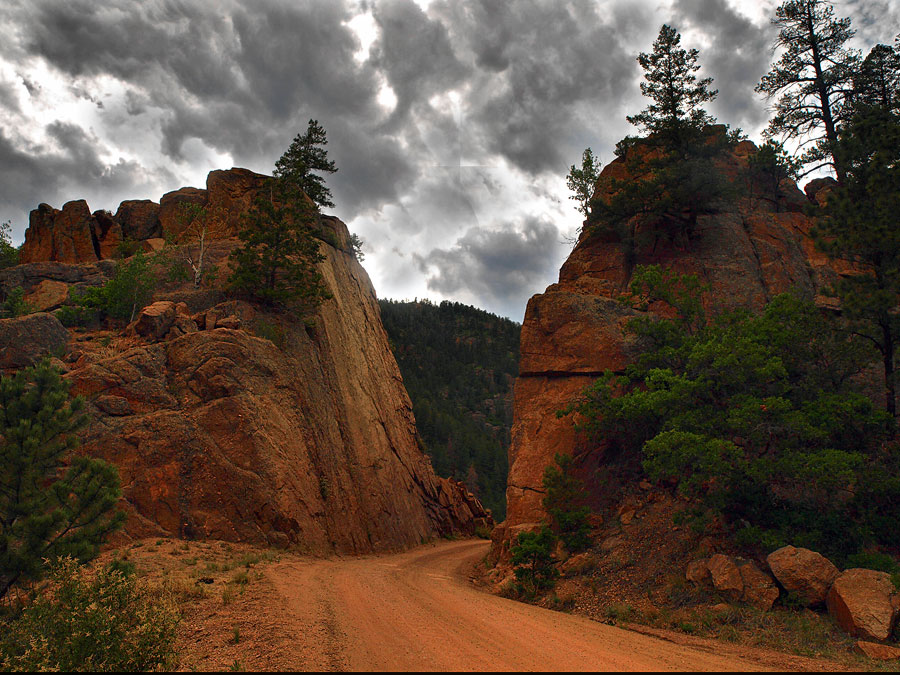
[419, 611]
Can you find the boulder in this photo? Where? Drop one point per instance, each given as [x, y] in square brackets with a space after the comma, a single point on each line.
[805, 573]
[864, 603]
[47, 295]
[578, 564]
[231, 194]
[139, 219]
[698, 572]
[742, 581]
[65, 236]
[876, 651]
[817, 189]
[27, 339]
[154, 321]
[170, 218]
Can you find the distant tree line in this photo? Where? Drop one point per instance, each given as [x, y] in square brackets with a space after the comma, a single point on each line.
[458, 364]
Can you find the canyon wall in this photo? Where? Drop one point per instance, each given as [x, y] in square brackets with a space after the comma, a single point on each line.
[230, 421]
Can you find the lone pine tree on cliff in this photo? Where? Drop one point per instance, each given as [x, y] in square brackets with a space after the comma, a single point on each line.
[277, 263]
[300, 162]
[675, 113]
[671, 181]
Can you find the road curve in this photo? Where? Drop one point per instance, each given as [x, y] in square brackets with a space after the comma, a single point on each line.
[417, 611]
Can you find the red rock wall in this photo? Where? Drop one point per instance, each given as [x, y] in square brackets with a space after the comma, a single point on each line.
[748, 253]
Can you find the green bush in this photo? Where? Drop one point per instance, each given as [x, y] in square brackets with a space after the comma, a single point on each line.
[533, 561]
[14, 305]
[107, 622]
[130, 289]
[757, 416]
[564, 503]
[76, 315]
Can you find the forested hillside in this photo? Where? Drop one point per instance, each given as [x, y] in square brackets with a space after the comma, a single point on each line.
[458, 364]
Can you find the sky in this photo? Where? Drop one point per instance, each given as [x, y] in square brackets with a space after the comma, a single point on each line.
[453, 123]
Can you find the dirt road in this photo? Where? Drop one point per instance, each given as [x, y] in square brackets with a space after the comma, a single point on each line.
[418, 611]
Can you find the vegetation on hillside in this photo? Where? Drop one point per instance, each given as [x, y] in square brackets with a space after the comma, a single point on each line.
[458, 364]
[52, 502]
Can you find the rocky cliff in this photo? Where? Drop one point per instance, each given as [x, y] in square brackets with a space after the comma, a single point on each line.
[230, 422]
[750, 250]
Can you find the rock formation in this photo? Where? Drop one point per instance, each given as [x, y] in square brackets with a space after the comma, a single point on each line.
[230, 422]
[748, 252]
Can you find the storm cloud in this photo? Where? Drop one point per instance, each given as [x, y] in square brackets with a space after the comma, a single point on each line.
[452, 122]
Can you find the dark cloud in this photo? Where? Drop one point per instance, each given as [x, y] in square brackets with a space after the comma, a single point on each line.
[538, 63]
[501, 269]
[42, 174]
[494, 100]
[739, 55]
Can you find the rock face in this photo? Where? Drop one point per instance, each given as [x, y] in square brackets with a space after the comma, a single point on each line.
[806, 573]
[27, 339]
[220, 433]
[748, 252]
[74, 235]
[139, 219]
[864, 603]
[66, 236]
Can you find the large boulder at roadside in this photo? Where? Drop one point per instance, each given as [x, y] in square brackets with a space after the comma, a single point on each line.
[27, 339]
[864, 603]
[742, 581]
[877, 651]
[805, 573]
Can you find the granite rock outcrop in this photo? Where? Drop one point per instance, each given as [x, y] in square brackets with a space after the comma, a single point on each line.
[230, 421]
[748, 251]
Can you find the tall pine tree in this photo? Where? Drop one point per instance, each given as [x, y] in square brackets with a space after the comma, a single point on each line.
[859, 225]
[813, 80]
[676, 112]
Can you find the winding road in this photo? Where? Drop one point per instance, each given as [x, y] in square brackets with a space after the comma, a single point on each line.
[418, 611]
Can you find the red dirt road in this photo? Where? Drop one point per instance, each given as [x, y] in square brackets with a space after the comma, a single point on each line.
[418, 611]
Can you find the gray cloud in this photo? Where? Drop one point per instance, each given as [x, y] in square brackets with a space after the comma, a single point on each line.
[494, 100]
[738, 57]
[501, 268]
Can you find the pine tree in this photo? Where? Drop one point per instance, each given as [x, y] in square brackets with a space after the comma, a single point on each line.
[277, 263]
[9, 255]
[305, 156]
[676, 113]
[878, 81]
[563, 499]
[52, 503]
[859, 225]
[582, 181]
[671, 177]
[813, 79]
